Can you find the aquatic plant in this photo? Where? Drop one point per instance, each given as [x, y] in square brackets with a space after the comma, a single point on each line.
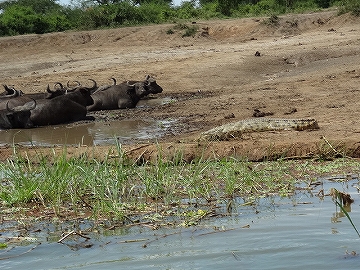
[118, 190]
[342, 199]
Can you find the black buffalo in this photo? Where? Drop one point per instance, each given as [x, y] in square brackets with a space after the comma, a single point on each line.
[104, 87]
[151, 85]
[124, 95]
[120, 96]
[18, 117]
[63, 109]
[18, 98]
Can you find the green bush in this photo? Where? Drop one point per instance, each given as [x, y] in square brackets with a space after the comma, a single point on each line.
[190, 31]
[187, 10]
[155, 13]
[19, 20]
[41, 16]
[263, 7]
[302, 6]
[323, 3]
[209, 11]
[352, 6]
[124, 14]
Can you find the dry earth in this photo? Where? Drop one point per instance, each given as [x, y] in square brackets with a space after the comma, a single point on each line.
[308, 68]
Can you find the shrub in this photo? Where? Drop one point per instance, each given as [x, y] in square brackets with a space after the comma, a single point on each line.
[187, 10]
[190, 31]
[155, 13]
[352, 6]
[19, 20]
[23, 19]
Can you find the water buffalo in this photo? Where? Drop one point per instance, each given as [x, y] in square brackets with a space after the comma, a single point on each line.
[21, 98]
[119, 96]
[124, 95]
[63, 109]
[18, 117]
[104, 87]
[151, 85]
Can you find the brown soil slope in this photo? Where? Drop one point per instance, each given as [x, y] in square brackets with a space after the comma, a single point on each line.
[308, 68]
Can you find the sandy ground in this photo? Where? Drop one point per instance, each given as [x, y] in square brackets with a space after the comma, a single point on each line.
[308, 68]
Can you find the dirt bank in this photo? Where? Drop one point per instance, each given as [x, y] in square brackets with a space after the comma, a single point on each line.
[307, 66]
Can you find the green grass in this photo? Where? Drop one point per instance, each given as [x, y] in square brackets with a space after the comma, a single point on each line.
[118, 190]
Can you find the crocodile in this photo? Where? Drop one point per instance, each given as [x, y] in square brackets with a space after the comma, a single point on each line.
[236, 129]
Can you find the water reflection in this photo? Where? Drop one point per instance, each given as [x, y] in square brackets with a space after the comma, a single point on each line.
[48, 136]
[93, 133]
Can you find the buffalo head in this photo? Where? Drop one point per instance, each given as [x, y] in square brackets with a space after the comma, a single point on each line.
[137, 89]
[72, 88]
[82, 95]
[19, 117]
[151, 86]
[55, 93]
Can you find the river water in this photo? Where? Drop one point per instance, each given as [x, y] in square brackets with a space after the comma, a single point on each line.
[300, 232]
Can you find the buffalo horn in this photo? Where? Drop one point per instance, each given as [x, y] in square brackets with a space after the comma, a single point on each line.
[94, 86]
[73, 88]
[9, 89]
[12, 92]
[7, 107]
[59, 84]
[23, 107]
[48, 89]
[131, 85]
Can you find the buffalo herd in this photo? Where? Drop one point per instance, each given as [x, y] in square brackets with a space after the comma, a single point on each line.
[69, 104]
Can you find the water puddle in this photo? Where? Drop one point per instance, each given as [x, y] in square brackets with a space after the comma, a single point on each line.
[300, 232]
[94, 133]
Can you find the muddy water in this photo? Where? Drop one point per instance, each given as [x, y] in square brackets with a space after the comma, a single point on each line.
[95, 133]
[301, 232]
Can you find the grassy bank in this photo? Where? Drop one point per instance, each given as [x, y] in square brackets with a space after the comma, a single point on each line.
[120, 191]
